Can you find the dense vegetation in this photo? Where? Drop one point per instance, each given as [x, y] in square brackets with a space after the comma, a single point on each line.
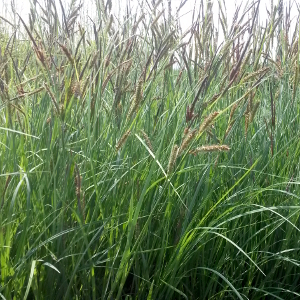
[138, 161]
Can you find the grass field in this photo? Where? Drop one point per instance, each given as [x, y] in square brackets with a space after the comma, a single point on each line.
[138, 161]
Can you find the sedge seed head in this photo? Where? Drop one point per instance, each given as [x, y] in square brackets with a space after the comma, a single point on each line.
[207, 121]
[122, 140]
[210, 148]
[172, 159]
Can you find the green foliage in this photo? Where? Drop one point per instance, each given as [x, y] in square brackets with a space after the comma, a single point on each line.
[137, 162]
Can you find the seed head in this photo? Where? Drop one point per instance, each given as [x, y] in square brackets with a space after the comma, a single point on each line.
[147, 139]
[207, 121]
[122, 140]
[67, 53]
[94, 59]
[233, 109]
[210, 148]
[76, 89]
[137, 99]
[172, 158]
[187, 141]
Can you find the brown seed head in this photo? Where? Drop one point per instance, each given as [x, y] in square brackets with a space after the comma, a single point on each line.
[233, 109]
[172, 159]
[186, 130]
[137, 99]
[210, 148]
[122, 140]
[76, 89]
[147, 139]
[207, 121]
[187, 141]
[67, 53]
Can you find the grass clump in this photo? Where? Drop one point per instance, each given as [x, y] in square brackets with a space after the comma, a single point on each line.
[102, 193]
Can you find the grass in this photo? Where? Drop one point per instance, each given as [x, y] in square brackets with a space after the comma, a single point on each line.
[141, 162]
